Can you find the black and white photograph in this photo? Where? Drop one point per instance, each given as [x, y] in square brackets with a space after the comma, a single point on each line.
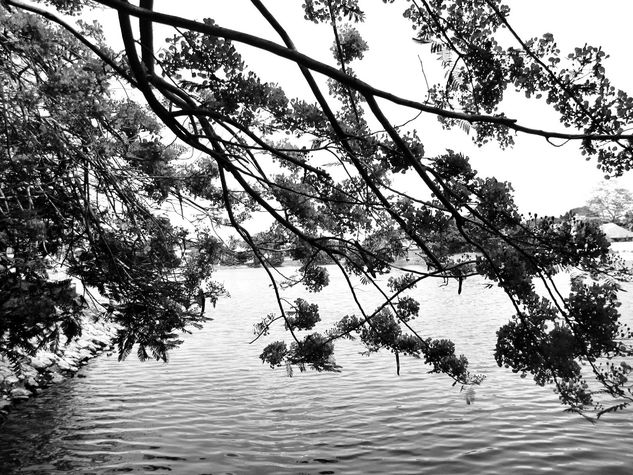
[316, 237]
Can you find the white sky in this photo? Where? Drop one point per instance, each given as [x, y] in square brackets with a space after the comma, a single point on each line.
[547, 180]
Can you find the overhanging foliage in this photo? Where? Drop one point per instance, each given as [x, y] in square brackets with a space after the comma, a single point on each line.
[263, 151]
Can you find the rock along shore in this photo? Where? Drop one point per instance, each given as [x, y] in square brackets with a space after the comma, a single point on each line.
[47, 367]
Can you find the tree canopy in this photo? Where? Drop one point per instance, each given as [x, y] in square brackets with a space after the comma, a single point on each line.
[87, 172]
[612, 204]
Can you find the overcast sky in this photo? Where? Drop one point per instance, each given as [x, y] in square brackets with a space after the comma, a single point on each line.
[547, 180]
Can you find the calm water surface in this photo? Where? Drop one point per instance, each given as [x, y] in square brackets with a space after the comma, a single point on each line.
[215, 409]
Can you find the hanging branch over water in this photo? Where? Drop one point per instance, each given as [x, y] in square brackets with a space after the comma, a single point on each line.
[261, 151]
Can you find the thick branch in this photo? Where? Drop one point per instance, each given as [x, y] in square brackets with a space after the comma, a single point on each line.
[317, 66]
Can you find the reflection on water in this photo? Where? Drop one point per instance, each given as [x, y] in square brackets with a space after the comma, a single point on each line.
[215, 409]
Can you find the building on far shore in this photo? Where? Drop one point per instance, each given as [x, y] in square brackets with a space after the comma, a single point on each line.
[621, 240]
[616, 233]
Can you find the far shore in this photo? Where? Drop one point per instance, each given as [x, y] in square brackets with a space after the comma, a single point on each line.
[416, 260]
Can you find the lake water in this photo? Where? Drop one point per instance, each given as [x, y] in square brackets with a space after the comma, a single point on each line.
[214, 408]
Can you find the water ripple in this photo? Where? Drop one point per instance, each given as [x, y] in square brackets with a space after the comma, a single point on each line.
[214, 409]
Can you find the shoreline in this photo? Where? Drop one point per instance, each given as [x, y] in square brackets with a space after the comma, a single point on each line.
[46, 367]
[414, 261]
